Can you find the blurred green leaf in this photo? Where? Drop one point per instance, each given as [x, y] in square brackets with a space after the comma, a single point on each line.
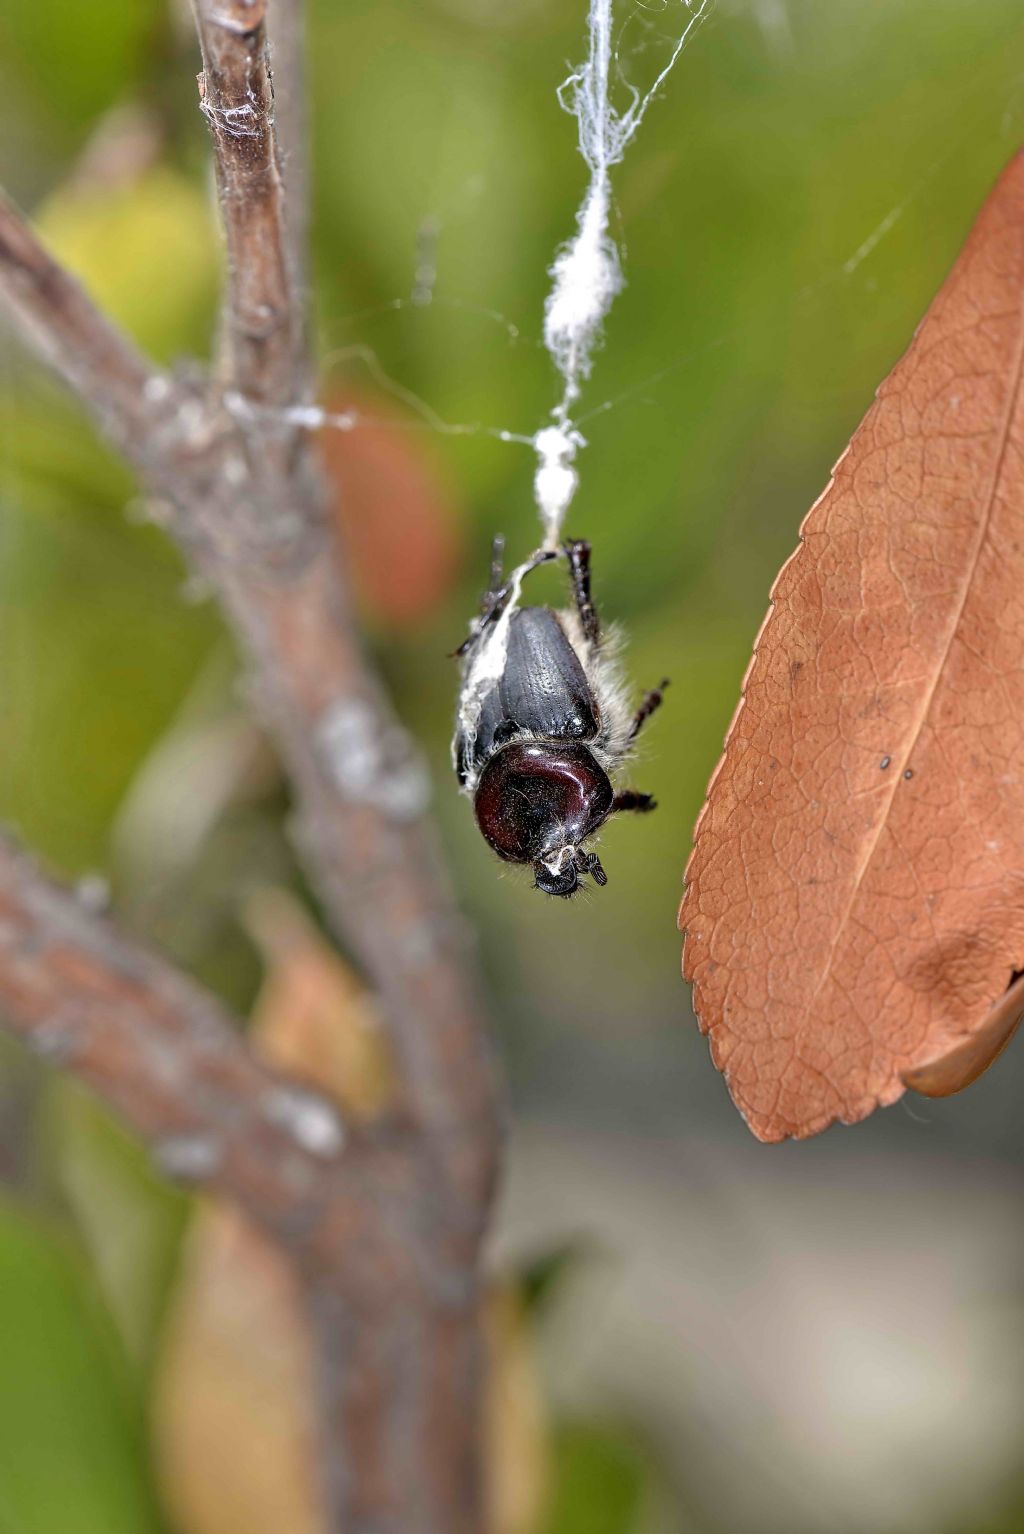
[130, 1220]
[70, 62]
[1007, 1517]
[600, 1481]
[98, 643]
[71, 1449]
[541, 1278]
[146, 252]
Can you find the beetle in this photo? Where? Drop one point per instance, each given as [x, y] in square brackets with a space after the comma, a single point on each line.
[543, 723]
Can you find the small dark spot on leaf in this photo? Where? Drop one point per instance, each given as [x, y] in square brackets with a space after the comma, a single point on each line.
[909, 773]
[885, 762]
[795, 668]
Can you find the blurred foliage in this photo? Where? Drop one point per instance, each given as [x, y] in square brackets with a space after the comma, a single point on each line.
[71, 1440]
[158, 225]
[601, 1481]
[793, 201]
[129, 1222]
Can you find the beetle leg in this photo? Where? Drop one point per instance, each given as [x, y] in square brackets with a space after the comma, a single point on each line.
[590, 863]
[577, 551]
[497, 596]
[629, 799]
[492, 595]
[652, 701]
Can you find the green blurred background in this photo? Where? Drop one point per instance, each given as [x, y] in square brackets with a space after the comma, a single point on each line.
[814, 1337]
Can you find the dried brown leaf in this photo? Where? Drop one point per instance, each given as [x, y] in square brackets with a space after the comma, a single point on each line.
[233, 1428]
[515, 1426]
[313, 1018]
[394, 509]
[952, 1072]
[855, 898]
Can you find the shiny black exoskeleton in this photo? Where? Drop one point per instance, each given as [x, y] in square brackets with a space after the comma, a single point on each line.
[542, 724]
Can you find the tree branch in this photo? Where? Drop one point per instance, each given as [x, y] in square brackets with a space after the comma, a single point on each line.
[361, 828]
[161, 1052]
[387, 1241]
[254, 520]
[390, 1296]
[265, 538]
[262, 344]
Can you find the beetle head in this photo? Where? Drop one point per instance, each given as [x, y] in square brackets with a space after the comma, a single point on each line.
[565, 879]
[537, 801]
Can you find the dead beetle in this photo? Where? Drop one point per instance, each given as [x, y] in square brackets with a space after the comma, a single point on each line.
[542, 724]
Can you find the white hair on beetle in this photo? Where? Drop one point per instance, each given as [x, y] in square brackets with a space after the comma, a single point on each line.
[586, 273]
[485, 667]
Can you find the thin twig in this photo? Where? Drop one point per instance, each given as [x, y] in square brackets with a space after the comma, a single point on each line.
[262, 336]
